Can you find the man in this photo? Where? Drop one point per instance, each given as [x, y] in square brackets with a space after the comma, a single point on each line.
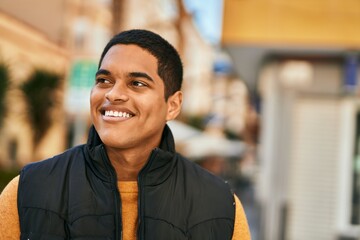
[127, 182]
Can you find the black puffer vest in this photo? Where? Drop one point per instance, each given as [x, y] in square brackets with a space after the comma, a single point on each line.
[74, 196]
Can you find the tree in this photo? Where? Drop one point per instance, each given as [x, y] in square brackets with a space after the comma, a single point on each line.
[4, 85]
[39, 93]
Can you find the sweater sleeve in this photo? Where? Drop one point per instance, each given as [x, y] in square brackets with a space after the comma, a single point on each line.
[241, 227]
[9, 217]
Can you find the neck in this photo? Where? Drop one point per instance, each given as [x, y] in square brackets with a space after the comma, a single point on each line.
[127, 165]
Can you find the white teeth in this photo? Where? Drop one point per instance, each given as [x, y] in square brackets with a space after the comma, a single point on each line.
[112, 113]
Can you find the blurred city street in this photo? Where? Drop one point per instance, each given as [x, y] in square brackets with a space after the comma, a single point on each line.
[271, 97]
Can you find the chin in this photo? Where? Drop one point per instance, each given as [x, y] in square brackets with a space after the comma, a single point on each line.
[115, 141]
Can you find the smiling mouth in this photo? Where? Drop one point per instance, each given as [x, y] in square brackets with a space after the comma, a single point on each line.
[112, 113]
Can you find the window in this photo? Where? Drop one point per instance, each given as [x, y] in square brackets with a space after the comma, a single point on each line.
[355, 197]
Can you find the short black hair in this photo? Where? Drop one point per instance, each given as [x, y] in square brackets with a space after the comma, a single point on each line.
[170, 68]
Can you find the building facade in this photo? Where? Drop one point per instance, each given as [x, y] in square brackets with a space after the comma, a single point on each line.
[24, 49]
[300, 60]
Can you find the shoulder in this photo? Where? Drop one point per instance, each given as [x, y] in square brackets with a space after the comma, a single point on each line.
[52, 170]
[60, 161]
[212, 191]
[9, 218]
[202, 176]
[47, 180]
[210, 195]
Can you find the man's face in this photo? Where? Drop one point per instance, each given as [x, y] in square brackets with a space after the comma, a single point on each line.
[128, 107]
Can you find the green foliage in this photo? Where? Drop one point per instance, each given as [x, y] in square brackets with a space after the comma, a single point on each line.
[196, 121]
[6, 176]
[4, 85]
[39, 92]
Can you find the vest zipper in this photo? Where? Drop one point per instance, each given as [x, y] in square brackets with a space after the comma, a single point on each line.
[67, 232]
[141, 196]
[117, 199]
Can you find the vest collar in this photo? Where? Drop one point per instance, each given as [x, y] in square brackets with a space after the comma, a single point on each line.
[159, 160]
[167, 140]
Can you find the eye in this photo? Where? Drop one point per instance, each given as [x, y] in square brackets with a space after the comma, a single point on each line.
[138, 84]
[101, 80]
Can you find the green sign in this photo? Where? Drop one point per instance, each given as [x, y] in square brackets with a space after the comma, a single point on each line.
[82, 74]
[81, 80]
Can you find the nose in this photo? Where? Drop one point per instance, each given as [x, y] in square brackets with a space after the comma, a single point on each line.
[118, 93]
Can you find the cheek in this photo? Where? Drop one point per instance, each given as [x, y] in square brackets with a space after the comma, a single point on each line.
[95, 97]
[92, 95]
[95, 102]
[157, 104]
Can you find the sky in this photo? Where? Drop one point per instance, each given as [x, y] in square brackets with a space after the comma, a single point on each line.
[208, 18]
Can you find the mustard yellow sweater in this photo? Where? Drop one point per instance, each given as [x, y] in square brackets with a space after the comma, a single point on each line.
[10, 227]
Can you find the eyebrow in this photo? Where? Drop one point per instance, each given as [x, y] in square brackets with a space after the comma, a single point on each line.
[130, 75]
[103, 72]
[140, 75]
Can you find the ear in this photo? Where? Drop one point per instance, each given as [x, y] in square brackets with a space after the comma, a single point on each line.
[174, 103]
